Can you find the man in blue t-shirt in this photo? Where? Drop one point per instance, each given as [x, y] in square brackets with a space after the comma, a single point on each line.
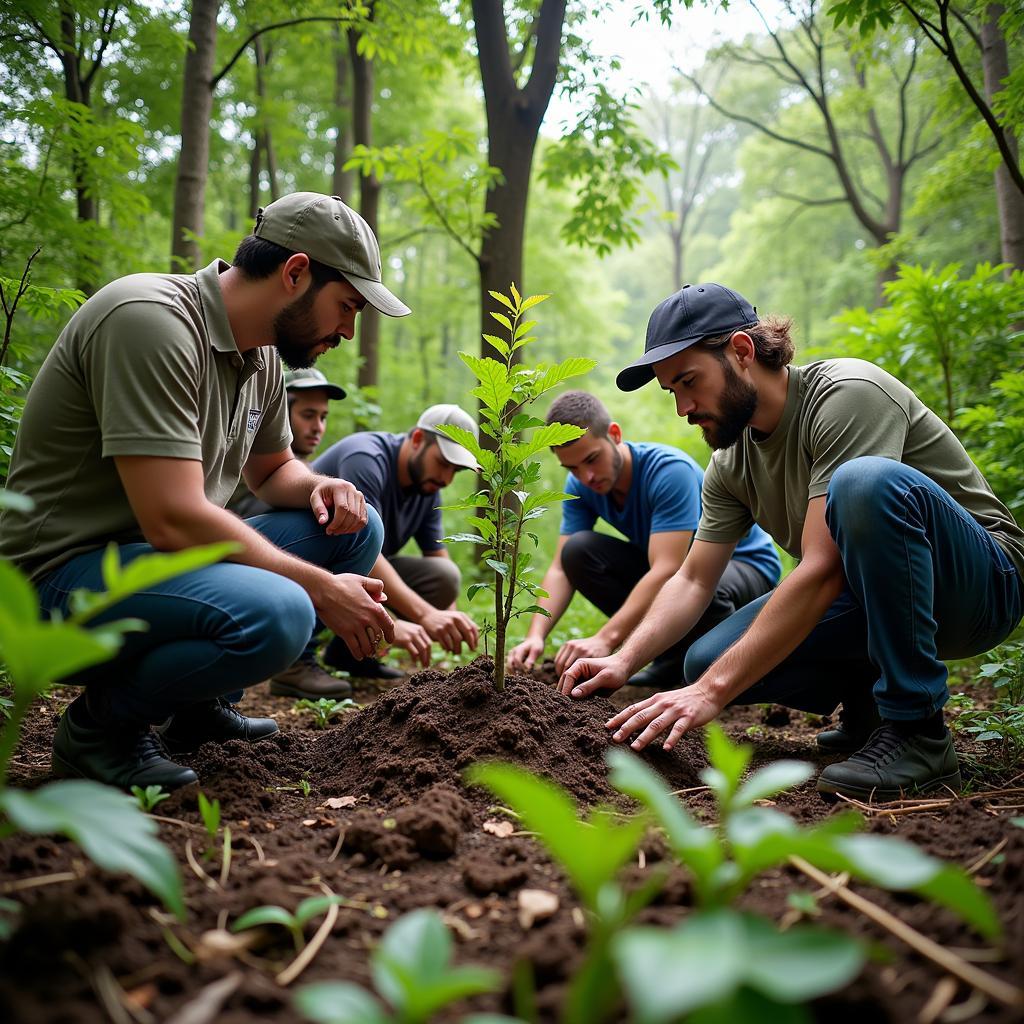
[651, 494]
[401, 476]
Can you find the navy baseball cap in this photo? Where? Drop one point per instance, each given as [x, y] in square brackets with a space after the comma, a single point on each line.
[695, 312]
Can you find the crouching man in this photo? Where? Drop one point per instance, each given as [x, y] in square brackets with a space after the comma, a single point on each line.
[906, 556]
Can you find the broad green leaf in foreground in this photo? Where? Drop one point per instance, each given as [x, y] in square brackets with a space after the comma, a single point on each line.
[590, 851]
[107, 825]
[339, 1002]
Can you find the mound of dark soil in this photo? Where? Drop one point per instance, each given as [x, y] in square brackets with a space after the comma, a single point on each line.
[433, 728]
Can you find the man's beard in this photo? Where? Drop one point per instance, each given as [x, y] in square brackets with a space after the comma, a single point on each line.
[736, 408]
[417, 473]
[295, 332]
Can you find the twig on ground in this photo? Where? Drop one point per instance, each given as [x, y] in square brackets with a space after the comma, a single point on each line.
[261, 857]
[942, 995]
[39, 880]
[986, 857]
[207, 1005]
[195, 866]
[337, 846]
[1001, 991]
[177, 821]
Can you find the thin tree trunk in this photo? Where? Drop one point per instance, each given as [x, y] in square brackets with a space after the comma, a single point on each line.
[255, 158]
[369, 201]
[196, 108]
[265, 136]
[342, 181]
[1009, 198]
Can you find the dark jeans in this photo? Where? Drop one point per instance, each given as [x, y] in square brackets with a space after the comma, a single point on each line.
[214, 631]
[924, 582]
[605, 570]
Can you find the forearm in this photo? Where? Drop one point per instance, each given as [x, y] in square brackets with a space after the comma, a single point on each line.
[289, 486]
[678, 607]
[636, 605]
[401, 597]
[786, 620]
[560, 592]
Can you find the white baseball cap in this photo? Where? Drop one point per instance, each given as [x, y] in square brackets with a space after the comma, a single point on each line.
[451, 414]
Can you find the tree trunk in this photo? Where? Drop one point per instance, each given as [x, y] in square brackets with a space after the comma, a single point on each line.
[369, 202]
[266, 141]
[196, 107]
[255, 158]
[1009, 198]
[341, 181]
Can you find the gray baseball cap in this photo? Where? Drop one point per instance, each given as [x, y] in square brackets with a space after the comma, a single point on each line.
[330, 232]
[433, 417]
[305, 380]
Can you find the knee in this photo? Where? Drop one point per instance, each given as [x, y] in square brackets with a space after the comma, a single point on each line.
[368, 546]
[856, 491]
[700, 655]
[449, 578]
[282, 620]
[576, 556]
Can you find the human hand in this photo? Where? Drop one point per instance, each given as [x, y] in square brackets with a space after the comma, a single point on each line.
[584, 647]
[352, 607]
[415, 640]
[450, 629]
[588, 675]
[348, 504]
[524, 656]
[679, 711]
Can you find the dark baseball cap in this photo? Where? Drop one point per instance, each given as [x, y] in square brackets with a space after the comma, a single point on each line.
[330, 232]
[310, 377]
[696, 311]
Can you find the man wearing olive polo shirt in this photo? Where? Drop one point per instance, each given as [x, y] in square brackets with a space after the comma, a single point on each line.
[158, 395]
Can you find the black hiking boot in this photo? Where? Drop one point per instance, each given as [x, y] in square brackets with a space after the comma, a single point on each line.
[858, 719]
[664, 673]
[338, 656]
[893, 764]
[211, 721]
[115, 754]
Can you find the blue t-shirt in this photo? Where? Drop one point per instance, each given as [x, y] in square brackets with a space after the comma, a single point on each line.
[663, 496]
[369, 460]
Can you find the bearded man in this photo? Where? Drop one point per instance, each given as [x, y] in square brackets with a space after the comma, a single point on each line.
[401, 477]
[157, 396]
[906, 557]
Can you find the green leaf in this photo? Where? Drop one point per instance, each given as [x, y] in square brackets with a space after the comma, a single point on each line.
[590, 851]
[503, 299]
[474, 588]
[263, 916]
[544, 437]
[552, 376]
[501, 568]
[532, 300]
[498, 343]
[314, 906]
[772, 779]
[465, 438]
[545, 498]
[18, 601]
[728, 761]
[107, 825]
[339, 1002]
[464, 538]
[515, 295]
[524, 328]
[696, 846]
[502, 319]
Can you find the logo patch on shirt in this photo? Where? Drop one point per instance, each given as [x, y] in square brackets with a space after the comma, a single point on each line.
[253, 421]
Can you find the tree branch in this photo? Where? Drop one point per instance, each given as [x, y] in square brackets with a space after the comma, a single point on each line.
[439, 214]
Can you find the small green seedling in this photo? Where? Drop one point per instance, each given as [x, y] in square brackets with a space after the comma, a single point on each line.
[309, 908]
[736, 962]
[324, 709]
[149, 797]
[412, 971]
[302, 786]
[209, 811]
[591, 851]
[511, 470]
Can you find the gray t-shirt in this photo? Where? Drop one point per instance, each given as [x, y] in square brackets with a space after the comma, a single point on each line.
[147, 366]
[370, 461]
[837, 410]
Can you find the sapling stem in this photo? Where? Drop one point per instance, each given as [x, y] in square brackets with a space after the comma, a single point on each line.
[225, 862]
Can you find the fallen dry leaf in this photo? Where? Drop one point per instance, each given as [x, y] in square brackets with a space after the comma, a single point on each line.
[335, 803]
[473, 911]
[219, 944]
[503, 829]
[536, 905]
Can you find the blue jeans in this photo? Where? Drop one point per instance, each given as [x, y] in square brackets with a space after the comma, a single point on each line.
[924, 581]
[214, 631]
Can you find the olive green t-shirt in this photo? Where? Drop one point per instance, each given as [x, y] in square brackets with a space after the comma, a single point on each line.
[837, 410]
[147, 366]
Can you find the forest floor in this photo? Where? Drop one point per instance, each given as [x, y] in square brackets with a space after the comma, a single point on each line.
[388, 824]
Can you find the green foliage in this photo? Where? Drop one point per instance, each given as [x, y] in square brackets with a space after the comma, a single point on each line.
[944, 335]
[606, 158]
[412, 971]
[295, 922]
[149, 797]
[999, 724]
[510, 471]
[209, 811]
[993, 431]
[324, 709]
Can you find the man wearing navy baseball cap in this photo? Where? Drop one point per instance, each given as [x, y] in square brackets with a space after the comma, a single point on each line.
[906, 557]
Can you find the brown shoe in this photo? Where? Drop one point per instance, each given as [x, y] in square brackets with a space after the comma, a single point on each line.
[308, 679]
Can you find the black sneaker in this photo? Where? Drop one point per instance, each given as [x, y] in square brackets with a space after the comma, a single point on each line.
[211, 721]
[892, 765]
[858, 719]
[337, 655]
[664, 673]
[122, 755]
